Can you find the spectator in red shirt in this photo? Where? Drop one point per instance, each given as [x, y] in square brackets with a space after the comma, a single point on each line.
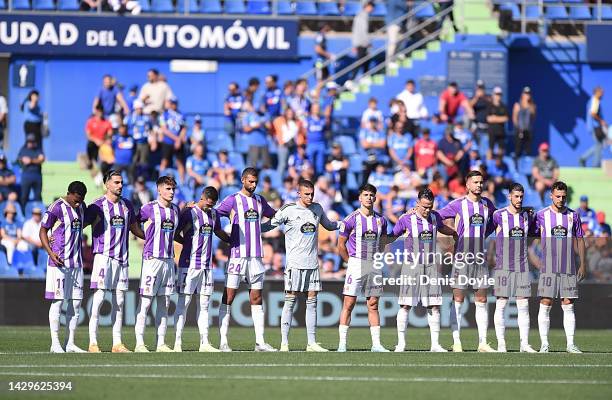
[96, 130]
[425, 157]
[450, 101]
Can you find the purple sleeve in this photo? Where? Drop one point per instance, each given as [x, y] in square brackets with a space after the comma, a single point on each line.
[400, 227]
[131, 212]
[226, 206]
[439, 220]
[90, 213]
[496, 220]
[49, 219]
[385, 226]
[490, 224]
[267, 210]
[578, 232]
[145, 213]
[448, 211]
[184, 218]
[347, 225]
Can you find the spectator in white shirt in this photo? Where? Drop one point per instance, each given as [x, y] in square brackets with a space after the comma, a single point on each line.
[155, 92]
[30, 231]
[415, 106]
[372, 112]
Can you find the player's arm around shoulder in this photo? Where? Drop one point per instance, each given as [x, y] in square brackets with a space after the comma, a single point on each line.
[280, 217]
[324, 220]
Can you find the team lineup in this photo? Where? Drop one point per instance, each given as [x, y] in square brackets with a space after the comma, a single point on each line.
[363, 236]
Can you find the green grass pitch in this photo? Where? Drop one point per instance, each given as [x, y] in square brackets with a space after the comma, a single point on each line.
[415, 374]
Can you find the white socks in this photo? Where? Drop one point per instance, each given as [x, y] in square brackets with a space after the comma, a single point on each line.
[455, 321]
[402, 322]
[482, 321]
[544, 323]
[523, 320]
[287, 317]
[500, 321]
[54, 321]
[569, 323]
[343, 333]
[98, 298]
[257, 313]
[141, 319]
[179, 317]
[72, 318]
[433, 319]
[161, 319]
[224, 320]
[311, 319]
[375, 333]
[203, 318]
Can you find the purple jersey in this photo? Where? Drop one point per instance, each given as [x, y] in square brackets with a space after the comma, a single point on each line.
[557, 231]
[473, 222]
[512, 232]
[245, 214]
[421, 235]
[159, 236]
[197, 245]
[363, 233]
[111, 232]
[67, 236]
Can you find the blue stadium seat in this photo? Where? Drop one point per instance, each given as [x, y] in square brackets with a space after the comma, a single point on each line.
[525, 165]
[2, 5]
[259, 7]
[579, 13]
[351, 181]
[234, 7]
[532, 13]
[425, 11]
[226, 191]
[516, 13]
[220, 141]
[532, 199]
[151, 187]
[284, 8]
[193, 6]
[145, 5]
[510, 163]
[356, 163]
[347, 143]
[127, 191]
[211, 157]
[556, 12]
[31, 205]
[34, 273]
[275, 177]
[520, 178]
[43, 5]
[21, 4]
[236, 160]
[43, 258]
[306, 7]
[380, 9]
[351, 8]
[328, 8]
[3, 260]
[606, 12]
[211, 7]
[162, 6]
[9, 273]
[23, 259]
[73, 5]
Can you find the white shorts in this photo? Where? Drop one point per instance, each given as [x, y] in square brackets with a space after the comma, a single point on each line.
[471, 271]
[109, 274]
[195, 281]
[511, 283]
[245, 269]
[64, 283]
[423, 287]
[157, 277]
[555, 285]
[362, 278]
[302, 280]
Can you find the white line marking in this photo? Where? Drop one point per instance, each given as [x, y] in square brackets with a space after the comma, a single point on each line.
[331, 365]
[25, 353]
[315, 378]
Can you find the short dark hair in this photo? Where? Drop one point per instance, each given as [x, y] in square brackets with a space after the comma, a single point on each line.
[110, 173]
[250, 171]
[410, 81]
[154, 71]
[305, 183]
[453, 84]
[472, 174]
[166, 180]
[211, 193]
[426, 194]
[559, 185]
[367, 188]
[517, 187]
[77, 187]
[253, 81]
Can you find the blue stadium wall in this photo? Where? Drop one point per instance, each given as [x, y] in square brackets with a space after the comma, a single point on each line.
[559, 75]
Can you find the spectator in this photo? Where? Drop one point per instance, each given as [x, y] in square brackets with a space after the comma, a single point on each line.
[31, 158]
[315, 138]
[480, 104]
[450, 153]
[523, 118]
[299, 101]
[96, 129]
[289, 190]
[139, 127]
[499, 176]
[425, 151]
[360, 37]
[123, 6]
[108, 97]
[155, 92]
[196, 169]
[196, 135]
[337, 167]
[131, 97]
[328, 272]
[30, 232]
[298, 162]
[587, 215]
[372, 113]
[271, 102]
[373, 144]
[7, 179]
[141, 195]
[276, 269]
[464, 136]
[407, 182]
[545, 170]
[174, 133]
[107, 158]
[383, 181]
[601, 227]
[444, 5]
[474, 160]
[497, 116]
[415, 106]
[232, 107]
[598, 128]
[394, 206]
[33, 116]
[255, 131]
[395, 10]
[268, 192]
[87, 5]
[251, 91]
[288, 92]
[323, 57]
[11, 232]
[222, 170]
[450, 102]
[324, 193]
[400, 146]
[3, 118]
[289, 132]
[123, 149]
[328, 102]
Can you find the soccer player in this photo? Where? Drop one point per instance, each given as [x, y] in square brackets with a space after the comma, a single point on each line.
[421, 229]
[513, 226]
[195, 276]
[361, 236]
[65, 265]
[112, 217]
[301, 221]
[560, 230]
[245, 210]
[157, 275]
[473, 222]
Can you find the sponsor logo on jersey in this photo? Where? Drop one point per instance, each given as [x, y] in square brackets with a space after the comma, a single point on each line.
[75, 225]
[167, 225]
[517, 233]
[206, 230]
[308, 229]
[558, 231]
[251, 215]
[426, 236]
[117, 222]
[369, 235]
[477, 220]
